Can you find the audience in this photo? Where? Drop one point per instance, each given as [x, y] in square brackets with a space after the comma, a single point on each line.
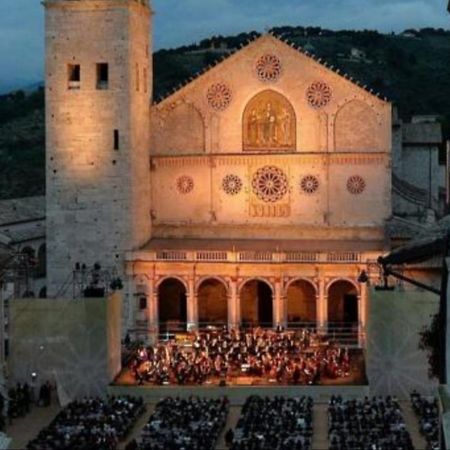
[90, 424]
[274, 424]
[301, 357]
[427, 411]
[19, 401]
[192, 424]
[369, 424]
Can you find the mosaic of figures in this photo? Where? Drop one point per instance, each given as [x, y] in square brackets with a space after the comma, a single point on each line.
[269, 123]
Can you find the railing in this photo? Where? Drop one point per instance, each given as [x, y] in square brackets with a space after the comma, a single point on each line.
[347, 334]
[343, 257]
[211, 256]
[301, 256]
[169, 255]
[256, 256]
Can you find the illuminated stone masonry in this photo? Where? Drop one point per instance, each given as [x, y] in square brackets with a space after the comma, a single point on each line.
[326, 277]
[277, 169]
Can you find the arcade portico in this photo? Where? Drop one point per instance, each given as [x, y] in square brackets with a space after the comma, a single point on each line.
[293, 285]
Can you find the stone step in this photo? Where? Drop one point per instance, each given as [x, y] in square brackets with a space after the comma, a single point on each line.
[138, 426]
[412, 425]
[320, 426]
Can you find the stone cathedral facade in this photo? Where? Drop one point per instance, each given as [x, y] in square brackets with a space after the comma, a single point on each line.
[257, 193]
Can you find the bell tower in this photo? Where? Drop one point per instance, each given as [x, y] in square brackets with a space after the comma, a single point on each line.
[98, 96]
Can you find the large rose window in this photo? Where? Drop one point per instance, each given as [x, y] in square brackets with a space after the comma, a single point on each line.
[270, 184]
[268, 68]
[318, 94]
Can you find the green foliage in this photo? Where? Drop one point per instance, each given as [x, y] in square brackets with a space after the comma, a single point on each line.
[430, 341]
[18, 104]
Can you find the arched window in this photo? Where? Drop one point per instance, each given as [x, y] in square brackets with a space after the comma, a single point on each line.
[269, 123]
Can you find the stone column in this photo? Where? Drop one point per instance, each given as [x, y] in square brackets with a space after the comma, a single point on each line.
[322, 307]
[153, 313]
[192, 307]
[362, 313]
[234, 310]
[153, 319]
[279, 317]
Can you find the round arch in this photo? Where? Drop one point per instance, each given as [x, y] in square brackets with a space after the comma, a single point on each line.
[306, 280]
[301, 302]
[42, 261]
[212, 297]
[170, 277]
[335, 280]
[212, 277]
[256, 296]
[343, 301]
[269, 122]
[261, 279]
[172, 304]
[29, 251]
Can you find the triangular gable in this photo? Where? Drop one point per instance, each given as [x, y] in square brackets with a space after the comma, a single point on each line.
[210, 70]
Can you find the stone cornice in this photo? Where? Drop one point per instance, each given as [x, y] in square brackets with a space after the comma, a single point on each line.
[245, 159]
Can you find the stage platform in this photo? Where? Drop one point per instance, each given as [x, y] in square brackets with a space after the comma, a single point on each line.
[238, 394]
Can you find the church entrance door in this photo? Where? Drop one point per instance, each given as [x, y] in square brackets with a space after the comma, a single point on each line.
[172, 306]
[212, 303]
[342, 304]
[301, 304]
[256, 304]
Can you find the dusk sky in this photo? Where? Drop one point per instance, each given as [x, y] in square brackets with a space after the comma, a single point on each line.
[179, 22]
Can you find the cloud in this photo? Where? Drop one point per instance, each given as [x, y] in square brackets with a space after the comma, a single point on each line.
[179, 22]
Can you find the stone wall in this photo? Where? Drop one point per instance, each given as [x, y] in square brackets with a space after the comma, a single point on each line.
[97, 195]
[270, 113]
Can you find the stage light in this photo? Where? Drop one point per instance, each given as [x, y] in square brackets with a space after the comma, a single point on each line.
[363, 277]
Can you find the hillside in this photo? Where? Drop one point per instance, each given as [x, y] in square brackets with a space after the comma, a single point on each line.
[411, 69]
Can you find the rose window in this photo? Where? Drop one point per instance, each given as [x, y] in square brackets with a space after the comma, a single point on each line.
[309, 184]
[318, 94]
[232, 184]
[185, 184]
[268, 68]
[219, 96]
[356, 185]
[270, 184]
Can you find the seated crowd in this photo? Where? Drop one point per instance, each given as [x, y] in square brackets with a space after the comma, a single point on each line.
[273, 424]
[427, 411]
[19, 401]
[375, 424]
[297, 357]
[188, 424]
[90, 424]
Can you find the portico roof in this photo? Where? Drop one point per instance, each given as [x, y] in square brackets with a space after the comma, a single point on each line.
[273, 245]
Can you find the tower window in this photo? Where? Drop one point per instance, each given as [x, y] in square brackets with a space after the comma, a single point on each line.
[142, 303]
[73, 76]
[116, 139]
[102, 75]
[137, 78]
[145, 80]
